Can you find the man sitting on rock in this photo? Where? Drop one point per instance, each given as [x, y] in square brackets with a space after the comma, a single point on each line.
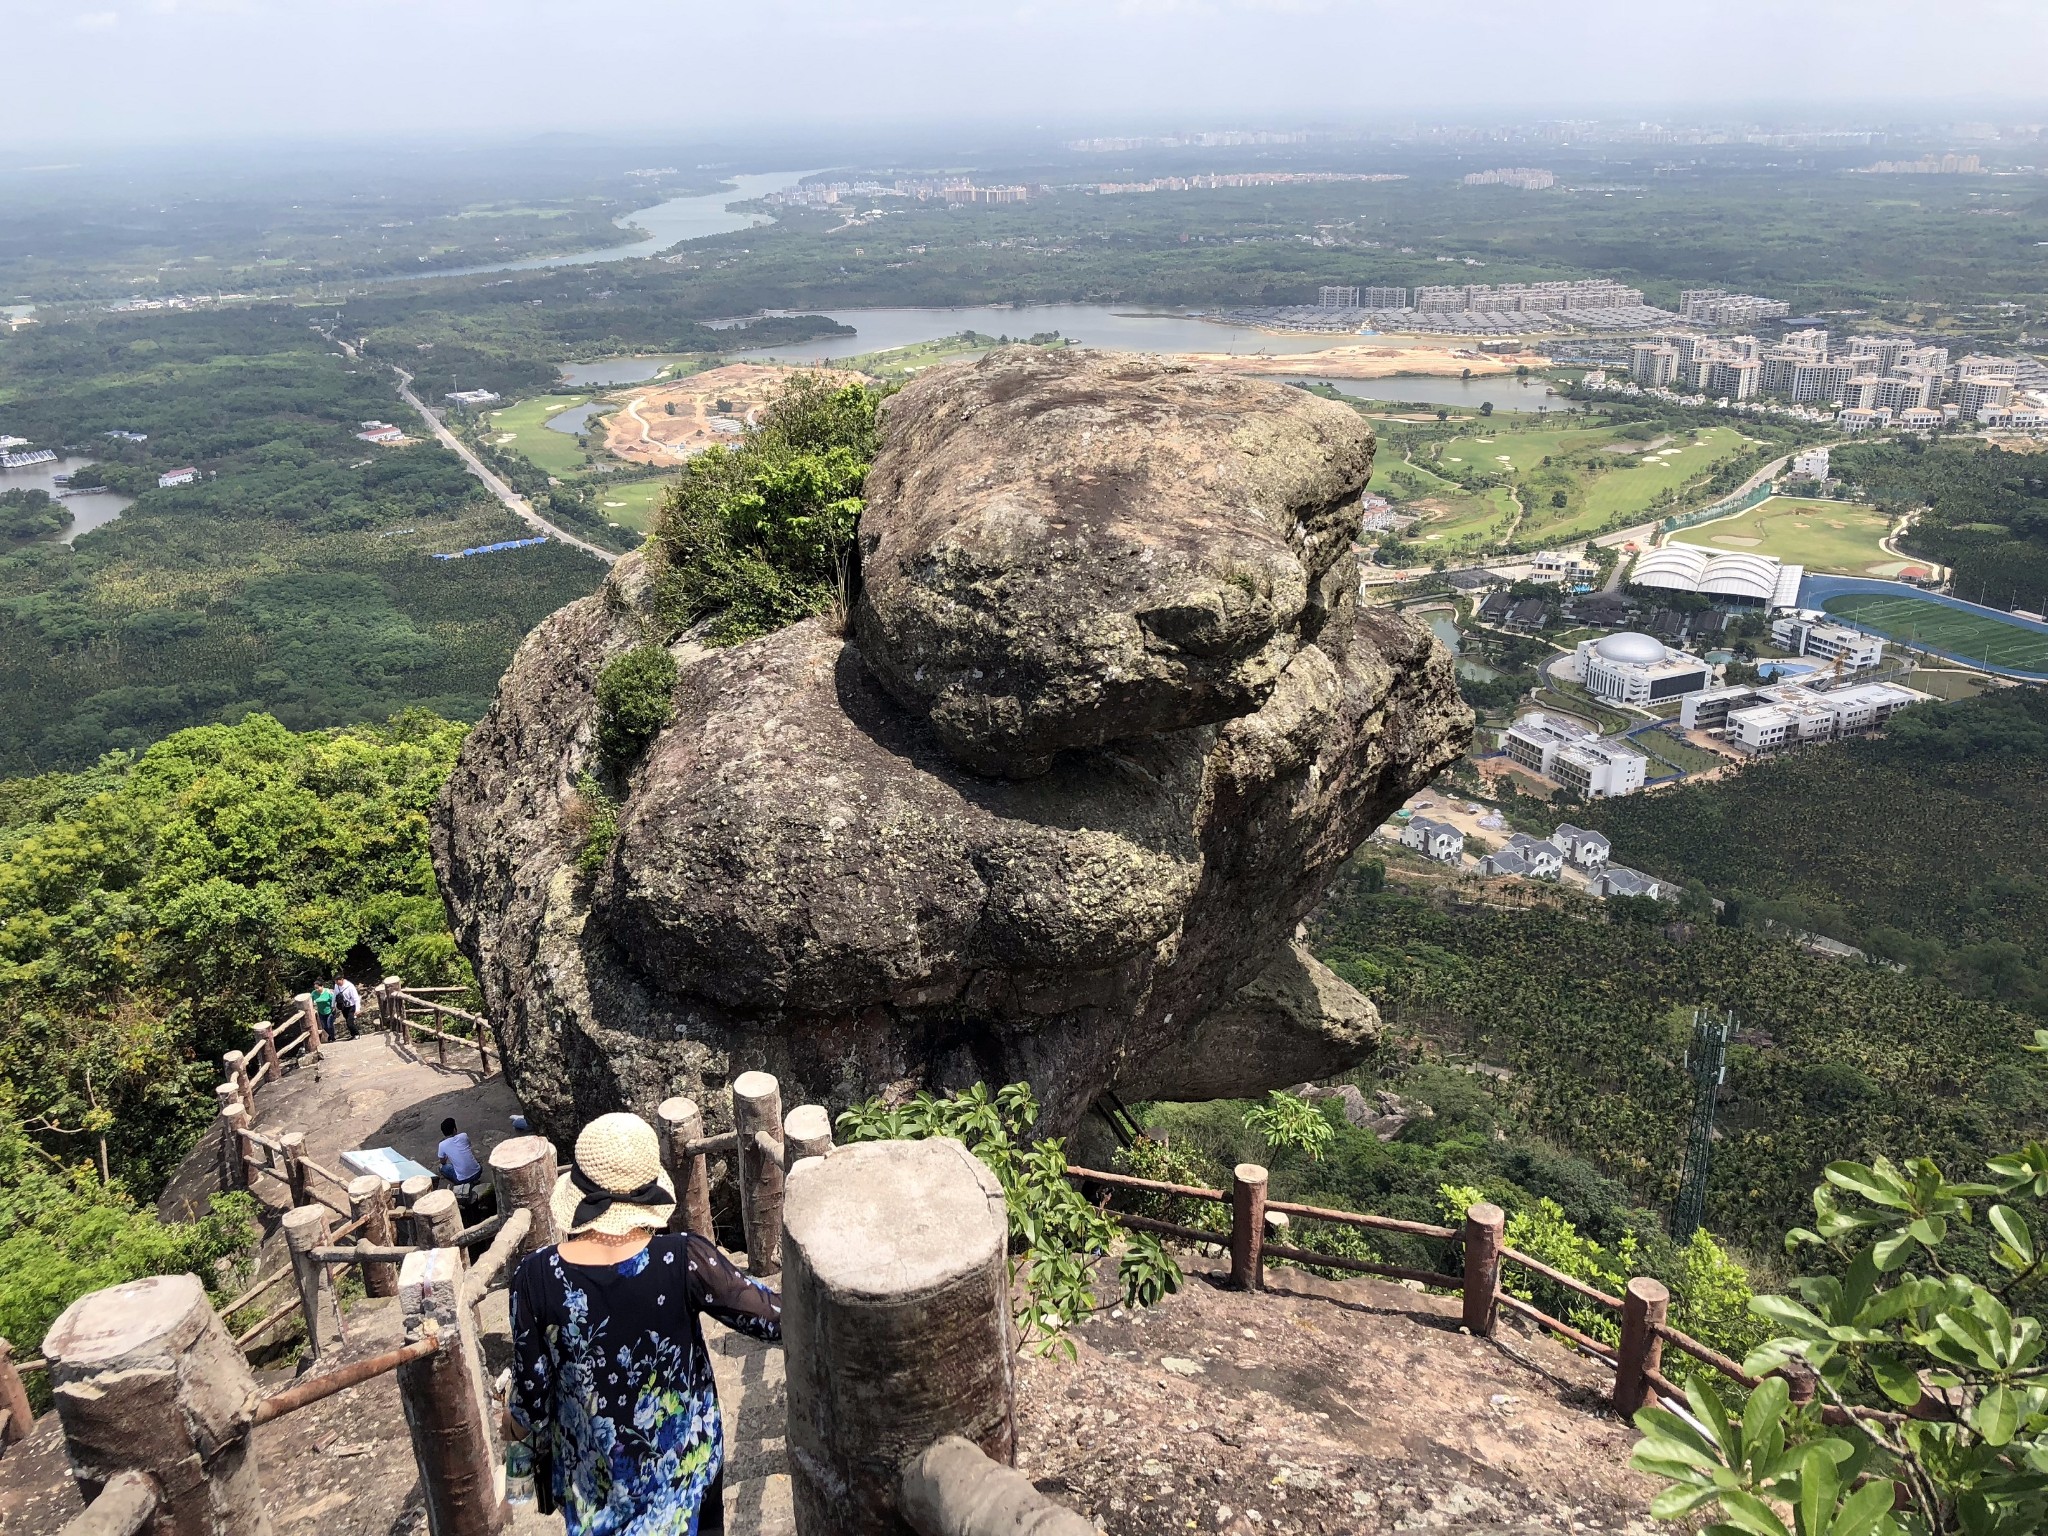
[460, 1168]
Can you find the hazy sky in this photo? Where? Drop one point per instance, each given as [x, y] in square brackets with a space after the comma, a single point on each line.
[175, 69]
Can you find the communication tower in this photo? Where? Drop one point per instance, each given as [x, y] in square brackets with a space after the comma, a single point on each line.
[1706, 1060]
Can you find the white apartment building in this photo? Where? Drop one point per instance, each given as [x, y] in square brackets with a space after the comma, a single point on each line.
[1907, 391]
[1772, 716]
[1653, 363]
[1732, 378]
[1976, 395]
[1921, 418]
[1811, 463]
[1809, 632]
[1570, 755]
[1637, 669]
[1561, 566]
[1861, 419]
[1437, 840]
[1331, 296]
[1383, 298]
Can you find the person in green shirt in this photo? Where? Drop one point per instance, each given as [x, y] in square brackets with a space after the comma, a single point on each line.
[323, 1008]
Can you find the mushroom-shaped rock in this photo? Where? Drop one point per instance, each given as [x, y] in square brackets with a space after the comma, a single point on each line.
[1063, 548]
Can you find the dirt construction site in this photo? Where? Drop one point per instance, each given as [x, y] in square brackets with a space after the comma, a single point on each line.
[667, 423]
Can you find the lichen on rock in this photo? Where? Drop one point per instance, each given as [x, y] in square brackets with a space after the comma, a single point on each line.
[1107, 723]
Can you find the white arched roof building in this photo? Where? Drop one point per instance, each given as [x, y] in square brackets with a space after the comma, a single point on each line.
[1720, 573]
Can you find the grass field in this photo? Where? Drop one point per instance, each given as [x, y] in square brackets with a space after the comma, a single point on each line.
[632, 505]
[1975, 636]
[1685, 458]
[1835, 536]
[531, 437]
[1679, 753]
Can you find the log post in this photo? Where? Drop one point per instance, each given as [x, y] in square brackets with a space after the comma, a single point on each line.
[895, 1324]
[436, 1220]
[147, 1380]
[682, 1122]
[381, 994]
[757, 1107]
[523, 1169]
[230, 1097]
[310, 1017]
[1484, 1226]
[370, 1197]
[1247, 1226]
[234, 1172]
[17, 1419]
[294, 1144]
[237, 1064]
[445, 1402]
[409, 1194]
[1644, 1306]
[394, 989]
[305, 1228]
[806, 1132]
[953, 1487]
[266, 1047]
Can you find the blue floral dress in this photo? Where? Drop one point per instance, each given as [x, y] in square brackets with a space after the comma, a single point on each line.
[610, 1377]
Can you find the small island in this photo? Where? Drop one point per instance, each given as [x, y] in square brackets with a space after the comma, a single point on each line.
[31, 514]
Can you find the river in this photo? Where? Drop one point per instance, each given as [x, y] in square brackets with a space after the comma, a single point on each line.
[89, 509]
[1444, 626]
[667, 224]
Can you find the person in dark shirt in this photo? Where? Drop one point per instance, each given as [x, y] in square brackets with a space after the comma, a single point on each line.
[611, 1381]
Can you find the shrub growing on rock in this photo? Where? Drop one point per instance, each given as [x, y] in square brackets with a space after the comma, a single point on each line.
[635, 699]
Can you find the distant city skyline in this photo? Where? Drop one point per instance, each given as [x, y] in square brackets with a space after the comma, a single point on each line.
[169, 70]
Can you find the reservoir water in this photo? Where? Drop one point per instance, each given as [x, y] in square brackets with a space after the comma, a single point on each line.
[576, 418]
[89, 509]
[667, 224]
[1444, 627]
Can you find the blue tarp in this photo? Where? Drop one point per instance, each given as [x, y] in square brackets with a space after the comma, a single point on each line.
[492, 549]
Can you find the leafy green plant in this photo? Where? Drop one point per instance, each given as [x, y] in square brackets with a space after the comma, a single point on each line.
[1056, 1237]
[594, 821]
[1920, 1314]
[1287, 1124]
[635, 699]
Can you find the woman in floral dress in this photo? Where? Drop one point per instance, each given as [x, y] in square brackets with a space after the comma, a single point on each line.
[611, 1382]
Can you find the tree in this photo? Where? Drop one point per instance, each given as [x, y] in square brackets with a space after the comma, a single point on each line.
[1559, 499]
[1486, 407]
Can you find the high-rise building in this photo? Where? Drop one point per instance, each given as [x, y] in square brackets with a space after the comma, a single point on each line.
[1818, 383]
[1732, 378]
[1976, 396]
[1653, 363]
[1811, 340]
[1383, 298]
[1335, 297]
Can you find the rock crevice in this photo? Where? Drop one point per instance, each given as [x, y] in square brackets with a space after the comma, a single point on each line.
[1108, 721]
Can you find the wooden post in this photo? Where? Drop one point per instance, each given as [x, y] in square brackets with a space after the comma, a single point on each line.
[229, 1096]
[409, 1194]
[1644, 1306]
[895, 1324]
[147, 1380]
[266, 1047]
[369, 1196]
[234, 1173]
[436, 1220]
[1247, 1226]
[382, 998]
[806, 1132]
[523, 1169]
[294, 1144]
[445, 1402]
[954, 1487]
[440, 1047]
[757, 1107]
[394, 990]
[17, 1419]
[1484, 1225]
[237, 1064]
[310, 1017]
[682, 1122]
[305, 1228]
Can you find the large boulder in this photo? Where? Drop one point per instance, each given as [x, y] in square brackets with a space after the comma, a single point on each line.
[858, 864]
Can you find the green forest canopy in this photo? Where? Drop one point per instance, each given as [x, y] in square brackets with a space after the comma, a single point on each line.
[1921, 845]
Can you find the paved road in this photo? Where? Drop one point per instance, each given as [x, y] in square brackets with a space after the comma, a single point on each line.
[515, 503]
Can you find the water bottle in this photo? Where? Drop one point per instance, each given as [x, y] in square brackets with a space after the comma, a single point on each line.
[519, 1473]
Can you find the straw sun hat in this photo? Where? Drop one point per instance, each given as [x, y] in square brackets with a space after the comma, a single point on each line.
[615, 1184]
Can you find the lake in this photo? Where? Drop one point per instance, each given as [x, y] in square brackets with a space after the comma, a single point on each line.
[576, 418]
[1445, 628]
[89, 509]
[609, 372]
[667, 224]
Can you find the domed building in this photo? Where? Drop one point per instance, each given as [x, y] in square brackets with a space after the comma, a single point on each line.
[1631, 668]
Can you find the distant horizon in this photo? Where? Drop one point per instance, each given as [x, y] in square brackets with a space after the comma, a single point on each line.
[172, 72]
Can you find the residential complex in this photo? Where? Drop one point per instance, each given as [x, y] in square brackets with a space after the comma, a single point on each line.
[1529, 298]
[1717, 306]
[1571, 755]
[1528, 178]
[1884, 379]
[1628, 668]
[1582, 849]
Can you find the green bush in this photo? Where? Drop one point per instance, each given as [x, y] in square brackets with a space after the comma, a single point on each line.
[757, 536]
[635, 699]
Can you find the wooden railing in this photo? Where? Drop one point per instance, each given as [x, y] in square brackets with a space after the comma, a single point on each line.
[1643, 1307]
